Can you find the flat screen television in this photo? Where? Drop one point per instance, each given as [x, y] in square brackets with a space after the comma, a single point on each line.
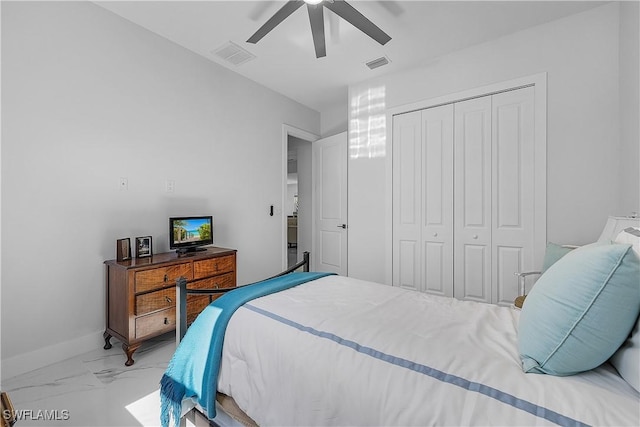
[190, 233]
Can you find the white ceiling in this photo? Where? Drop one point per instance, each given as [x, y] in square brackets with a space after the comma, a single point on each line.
[285, 58]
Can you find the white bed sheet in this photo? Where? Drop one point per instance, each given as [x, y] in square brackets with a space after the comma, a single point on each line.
[341, 351]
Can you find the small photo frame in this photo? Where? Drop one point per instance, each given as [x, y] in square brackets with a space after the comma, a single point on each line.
[123, 249]
[143, 247]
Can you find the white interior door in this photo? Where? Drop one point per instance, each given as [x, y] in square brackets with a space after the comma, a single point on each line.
[330, 207]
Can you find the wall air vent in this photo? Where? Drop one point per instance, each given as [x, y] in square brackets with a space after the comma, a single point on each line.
[234, 54]
[378, 62]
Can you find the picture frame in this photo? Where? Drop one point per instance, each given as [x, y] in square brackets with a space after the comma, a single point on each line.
[143, 247]
[123, 249]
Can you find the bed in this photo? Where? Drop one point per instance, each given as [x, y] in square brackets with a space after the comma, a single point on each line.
[314, 349]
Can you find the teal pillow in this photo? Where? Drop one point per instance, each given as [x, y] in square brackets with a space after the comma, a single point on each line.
[552, 254]
[580, 310]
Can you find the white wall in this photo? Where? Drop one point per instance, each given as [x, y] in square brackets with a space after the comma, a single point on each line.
[580, 55]
[87, 98]
[629, 107]
[335, 120]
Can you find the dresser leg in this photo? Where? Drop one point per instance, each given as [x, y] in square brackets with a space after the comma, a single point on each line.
[129, 349]
[107, 340]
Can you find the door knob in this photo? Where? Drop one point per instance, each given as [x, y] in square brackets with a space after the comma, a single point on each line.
[475, 236]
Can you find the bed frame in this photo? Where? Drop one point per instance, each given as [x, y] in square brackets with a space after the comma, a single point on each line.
[231, 414]
[182, 291]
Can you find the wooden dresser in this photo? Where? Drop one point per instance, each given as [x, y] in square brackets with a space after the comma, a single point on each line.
[141, 292]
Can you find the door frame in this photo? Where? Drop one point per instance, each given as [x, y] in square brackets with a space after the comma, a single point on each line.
[287, 131]
[539, 83]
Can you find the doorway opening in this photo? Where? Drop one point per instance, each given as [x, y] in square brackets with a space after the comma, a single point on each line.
[297, 209]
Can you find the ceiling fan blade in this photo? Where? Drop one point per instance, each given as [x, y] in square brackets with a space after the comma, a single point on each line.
[358, 20]
[316, 18]
[286, 10]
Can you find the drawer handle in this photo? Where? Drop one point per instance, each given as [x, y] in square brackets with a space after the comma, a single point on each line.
[166, 321]
[169, 300]
[166, 278]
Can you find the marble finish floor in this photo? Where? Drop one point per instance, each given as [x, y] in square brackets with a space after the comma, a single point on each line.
[95, 388]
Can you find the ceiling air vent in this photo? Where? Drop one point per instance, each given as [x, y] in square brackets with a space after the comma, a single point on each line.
[233, 53]
[378, 62]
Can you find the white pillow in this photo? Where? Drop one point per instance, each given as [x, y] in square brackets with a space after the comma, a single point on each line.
[630, 236]
[627, 359]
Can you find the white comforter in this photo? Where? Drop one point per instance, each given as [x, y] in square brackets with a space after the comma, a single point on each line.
[340, 351]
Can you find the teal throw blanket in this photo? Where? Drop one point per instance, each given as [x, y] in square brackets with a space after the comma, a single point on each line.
[193, 370]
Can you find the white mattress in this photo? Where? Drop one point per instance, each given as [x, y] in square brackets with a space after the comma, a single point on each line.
[340, 351]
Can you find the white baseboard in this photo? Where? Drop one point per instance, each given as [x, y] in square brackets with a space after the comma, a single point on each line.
[40, 358]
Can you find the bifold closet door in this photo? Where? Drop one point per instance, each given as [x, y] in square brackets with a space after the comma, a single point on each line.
[407, 205]
[464, 197]
[494, 195]
[423, 200]
[437, 200]
[513, 186]
[472, 199]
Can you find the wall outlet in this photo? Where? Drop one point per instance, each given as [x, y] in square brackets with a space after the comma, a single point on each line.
[123, 184]
[170, 186]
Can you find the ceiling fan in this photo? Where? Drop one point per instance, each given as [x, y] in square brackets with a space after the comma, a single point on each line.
[316, 17]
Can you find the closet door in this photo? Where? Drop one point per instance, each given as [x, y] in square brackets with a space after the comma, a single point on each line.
[464, 181]
[472, 213]
[437, 200]
[407, 205]
[513, 191]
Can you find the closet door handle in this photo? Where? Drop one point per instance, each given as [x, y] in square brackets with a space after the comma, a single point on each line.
[475, 237]
[343, 226]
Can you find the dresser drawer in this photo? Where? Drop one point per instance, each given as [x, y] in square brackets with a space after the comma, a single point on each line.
[147, 280]
[217, 282]
[146, 303]
[156, 323]
[208, 267]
